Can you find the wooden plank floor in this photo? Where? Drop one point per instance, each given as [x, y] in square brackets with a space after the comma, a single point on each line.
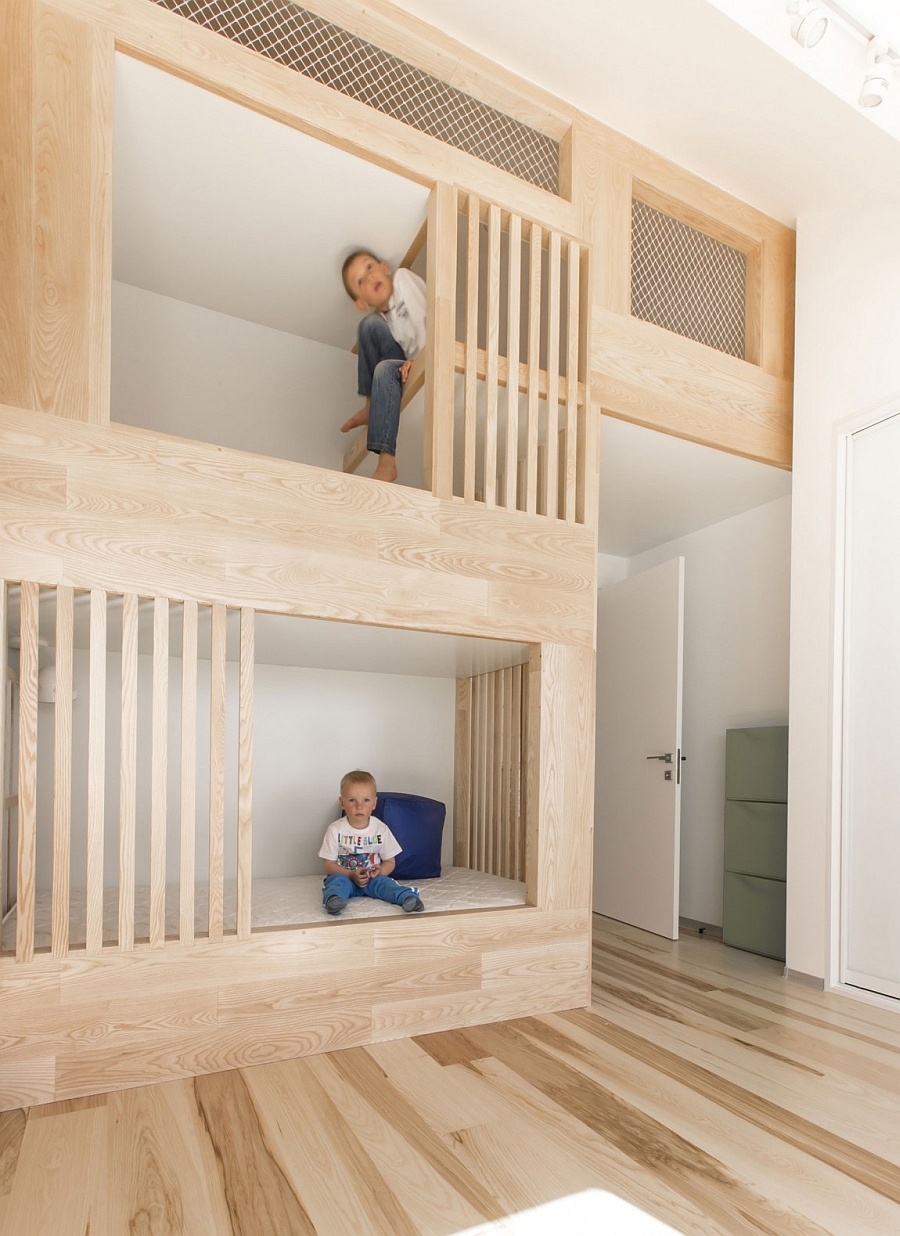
[700, 1094]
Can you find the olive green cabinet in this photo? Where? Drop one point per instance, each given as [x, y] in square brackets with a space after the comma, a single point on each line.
[755, 839]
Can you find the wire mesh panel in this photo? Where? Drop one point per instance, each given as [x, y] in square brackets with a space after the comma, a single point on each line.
[325, 52]
[686, 281]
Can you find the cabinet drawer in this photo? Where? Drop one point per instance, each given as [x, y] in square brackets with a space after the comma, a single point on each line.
[756, 763]
[754, 914]
[756, 839]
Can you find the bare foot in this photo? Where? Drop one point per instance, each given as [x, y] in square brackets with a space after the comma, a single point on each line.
[386, 470]
[359, 418]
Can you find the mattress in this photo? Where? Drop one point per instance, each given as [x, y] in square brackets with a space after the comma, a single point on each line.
[287, 901]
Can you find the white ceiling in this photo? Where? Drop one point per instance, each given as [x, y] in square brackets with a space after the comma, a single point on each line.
[654, 488]
[684, 79]
[218, 206]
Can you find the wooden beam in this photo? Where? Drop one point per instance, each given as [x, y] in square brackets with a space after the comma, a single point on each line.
[440, 330]
[62, 771]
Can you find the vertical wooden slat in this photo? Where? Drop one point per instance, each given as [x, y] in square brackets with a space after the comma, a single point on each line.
[440, 340]
[499, 728]
[511, 769]
[470, 412]
[476, 772]
[462, 775]
[159, 772]
[528, 853]
[551, 504]
[587, 481]
[481, 764]
[534, 363]
[217, 772]
[4, 692]
[573, 363]
[488, 744]
[514, 298]
[493, 357]
[188, 772]
[62, 772]
[518, 773]
[27, 776]
[128, 770]
[96, 775]
[245, 775]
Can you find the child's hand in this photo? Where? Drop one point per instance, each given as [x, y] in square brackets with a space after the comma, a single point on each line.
[404, 370]
[374, 871]
[360, 877]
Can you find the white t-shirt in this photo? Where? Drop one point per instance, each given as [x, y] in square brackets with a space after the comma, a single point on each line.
[356, 851]
[405, 314]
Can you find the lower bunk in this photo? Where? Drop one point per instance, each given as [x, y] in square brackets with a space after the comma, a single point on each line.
[290, 901]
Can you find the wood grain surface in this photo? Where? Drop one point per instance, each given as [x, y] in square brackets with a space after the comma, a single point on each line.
[700, 1088]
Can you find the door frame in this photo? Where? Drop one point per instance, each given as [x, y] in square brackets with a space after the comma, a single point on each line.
[839, 809]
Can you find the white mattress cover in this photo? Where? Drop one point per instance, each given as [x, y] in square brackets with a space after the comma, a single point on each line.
[289, 900]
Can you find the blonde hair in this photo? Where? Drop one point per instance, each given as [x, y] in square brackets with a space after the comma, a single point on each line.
[357, 777]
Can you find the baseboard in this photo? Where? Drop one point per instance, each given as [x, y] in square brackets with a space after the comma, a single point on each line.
[805, 980]
[702, 929]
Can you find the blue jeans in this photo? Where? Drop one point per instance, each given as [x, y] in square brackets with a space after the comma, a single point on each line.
[378, 363]
[382, 887]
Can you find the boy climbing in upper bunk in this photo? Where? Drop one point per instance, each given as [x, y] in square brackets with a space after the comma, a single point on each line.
[389, 337]
[360, 852]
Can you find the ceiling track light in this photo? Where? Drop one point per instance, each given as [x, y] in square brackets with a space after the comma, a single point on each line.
[879, 68]
[809, 24]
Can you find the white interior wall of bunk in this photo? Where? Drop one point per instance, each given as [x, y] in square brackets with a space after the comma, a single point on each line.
[310, 727]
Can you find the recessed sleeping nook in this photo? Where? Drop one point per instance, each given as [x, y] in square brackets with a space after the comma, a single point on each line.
[174, 767]
[230, 323]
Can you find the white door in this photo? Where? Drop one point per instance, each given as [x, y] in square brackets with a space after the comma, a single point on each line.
[871, 801]
[640, 629]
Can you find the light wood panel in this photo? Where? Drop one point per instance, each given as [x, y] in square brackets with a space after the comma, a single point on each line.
[658, 379]
[56, 232]
[492, 334]
[128, 770]
[159, 772]
[534, 361]
[62, 771]
[217, 667]
[96, 774]
[161, 516]
[245, 774]
[513, 311]
[470, 347]
[188, 772]
[439, 337]
[27, 771]
[490, 773]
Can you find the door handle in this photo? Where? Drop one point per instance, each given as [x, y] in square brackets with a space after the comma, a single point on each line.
[666, 759]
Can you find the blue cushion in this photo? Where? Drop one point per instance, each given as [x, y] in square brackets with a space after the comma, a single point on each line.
[418, 824]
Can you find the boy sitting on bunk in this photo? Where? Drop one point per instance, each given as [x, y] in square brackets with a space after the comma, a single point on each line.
[388, 339]
[359, 852]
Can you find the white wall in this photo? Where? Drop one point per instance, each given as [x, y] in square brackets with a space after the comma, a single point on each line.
[311, 726]
[736, 602]
[199, 374]
[847, 359]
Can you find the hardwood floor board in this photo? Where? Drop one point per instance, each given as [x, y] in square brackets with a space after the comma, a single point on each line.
[12, 1131]
[447, 1097]
[796, 1179]
[261, 1200]
[829, 1101]
[607, 1166]
[344, 1186]
[811, 1051]
[59, 1187]
[449, 1046]
[701, 1178]
[841, 1152]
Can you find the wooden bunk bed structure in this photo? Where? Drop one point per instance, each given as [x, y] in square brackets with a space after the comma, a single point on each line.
[521, 358]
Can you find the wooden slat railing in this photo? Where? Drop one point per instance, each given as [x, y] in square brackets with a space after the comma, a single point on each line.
[489, 804]
[66, 831]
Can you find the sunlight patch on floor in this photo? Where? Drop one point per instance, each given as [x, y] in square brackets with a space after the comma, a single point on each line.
[580, 1214]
